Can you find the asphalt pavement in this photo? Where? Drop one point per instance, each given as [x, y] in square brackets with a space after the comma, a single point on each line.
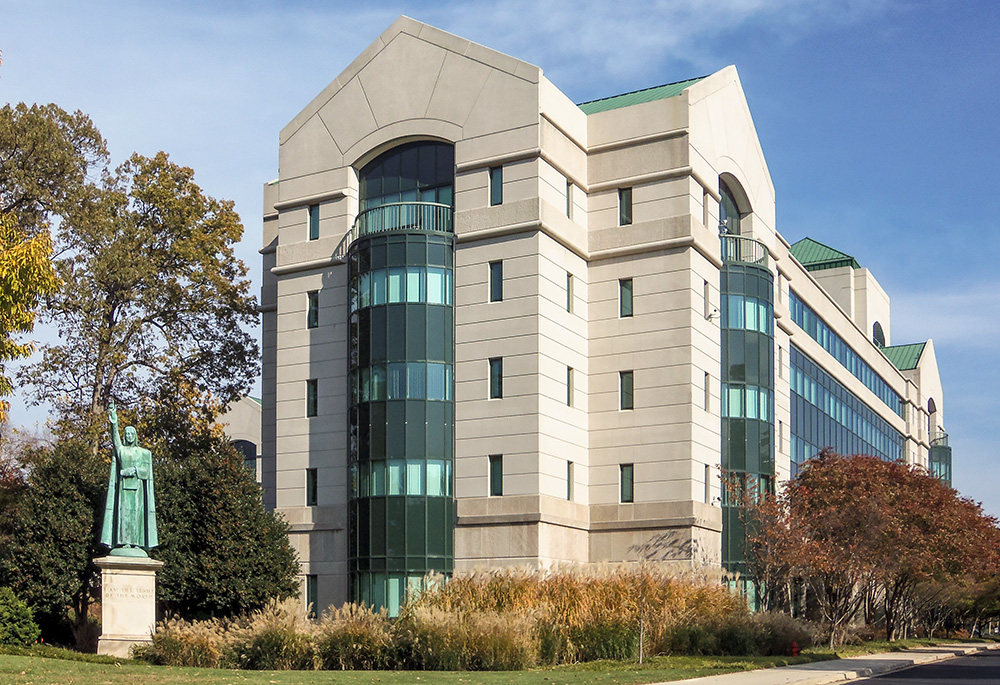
[853, 668]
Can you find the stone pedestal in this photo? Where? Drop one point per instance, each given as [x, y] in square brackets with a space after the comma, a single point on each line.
[128, 602]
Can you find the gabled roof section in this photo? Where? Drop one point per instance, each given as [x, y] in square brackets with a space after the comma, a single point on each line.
[667, 90]
[904, 357]
[815, 256]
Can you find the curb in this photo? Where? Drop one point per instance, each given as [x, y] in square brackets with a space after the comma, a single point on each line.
[840, 669]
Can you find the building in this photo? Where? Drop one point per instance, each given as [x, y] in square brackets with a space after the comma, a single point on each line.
[501, 328]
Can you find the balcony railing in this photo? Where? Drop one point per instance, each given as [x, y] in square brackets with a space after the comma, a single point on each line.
[738, 248]
[404, 216]
[939, 439]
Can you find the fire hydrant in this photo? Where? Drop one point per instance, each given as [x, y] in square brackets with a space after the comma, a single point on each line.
[795, 649]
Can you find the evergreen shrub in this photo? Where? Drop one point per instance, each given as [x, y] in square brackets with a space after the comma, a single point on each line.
[17, 625]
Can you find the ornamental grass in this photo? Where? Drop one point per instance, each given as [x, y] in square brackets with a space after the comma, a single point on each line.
[508, 619]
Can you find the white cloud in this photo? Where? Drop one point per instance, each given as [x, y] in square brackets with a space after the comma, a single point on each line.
[963, 318]
[584, 41]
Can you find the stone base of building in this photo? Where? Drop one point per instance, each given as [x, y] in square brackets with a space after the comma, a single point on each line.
[128, 603]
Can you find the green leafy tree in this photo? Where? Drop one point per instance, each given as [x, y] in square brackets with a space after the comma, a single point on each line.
[49, 534]
[151, 292]
[224, 553]
[45, 156]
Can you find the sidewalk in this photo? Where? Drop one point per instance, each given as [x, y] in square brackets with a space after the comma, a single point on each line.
[821, 672]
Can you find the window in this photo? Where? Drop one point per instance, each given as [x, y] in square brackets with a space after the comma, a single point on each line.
[569, 198]
[569, 292]
[496, 378]
[708, 484]
[626, 387]
[496, 475]
[496, 281]
[312, 584]
[496, 186]
[312, 309]
[624, 206]
[311, 489]
[312, 397]
[708, 390]
[625, 297]
[569, 386]
[569, 480]
[626, 482]
[313, 222]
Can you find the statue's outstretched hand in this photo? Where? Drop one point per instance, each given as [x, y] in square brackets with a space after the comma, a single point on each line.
[113, 413]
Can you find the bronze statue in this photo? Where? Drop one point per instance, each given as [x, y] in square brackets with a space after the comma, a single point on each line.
[130, 510]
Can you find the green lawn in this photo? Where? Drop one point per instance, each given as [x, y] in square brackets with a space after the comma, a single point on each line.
[64, 666]
[25, 670]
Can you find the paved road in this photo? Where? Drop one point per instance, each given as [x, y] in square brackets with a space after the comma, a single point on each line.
[975, 669]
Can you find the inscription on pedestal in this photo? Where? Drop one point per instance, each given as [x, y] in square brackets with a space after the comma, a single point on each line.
[128, 603]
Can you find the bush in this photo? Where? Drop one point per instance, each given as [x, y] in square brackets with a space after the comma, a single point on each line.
[777, 632]
[692, 639]
[17, 626]
[181, 643]
[616, 640]
[276, 638]
[435, 640]
[355, 638]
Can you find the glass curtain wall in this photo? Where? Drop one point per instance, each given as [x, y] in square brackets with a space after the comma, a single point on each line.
[747, 340]
[401, 395]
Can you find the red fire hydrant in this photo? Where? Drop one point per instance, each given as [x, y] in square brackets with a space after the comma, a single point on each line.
[795, 649]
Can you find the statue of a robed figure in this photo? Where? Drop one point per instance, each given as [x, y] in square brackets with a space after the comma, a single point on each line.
[130, 510]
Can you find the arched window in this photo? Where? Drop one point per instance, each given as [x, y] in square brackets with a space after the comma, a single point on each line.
[729, 212]
[878, 337]
[423, 171]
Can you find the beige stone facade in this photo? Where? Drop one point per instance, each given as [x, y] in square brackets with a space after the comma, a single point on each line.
[564, 257]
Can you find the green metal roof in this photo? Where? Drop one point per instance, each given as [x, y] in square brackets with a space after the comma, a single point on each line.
[815, 256]
[668, 90]
[904, 357]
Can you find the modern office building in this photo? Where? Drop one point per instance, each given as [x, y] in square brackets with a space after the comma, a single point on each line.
[502, 328]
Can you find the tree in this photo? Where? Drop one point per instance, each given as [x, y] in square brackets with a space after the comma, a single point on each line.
[45, 156]
[26, 275]
[854, 522]
[225, 553]
[49, 534]
[151, 292]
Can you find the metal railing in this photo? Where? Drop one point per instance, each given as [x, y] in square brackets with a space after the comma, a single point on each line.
[738, 248]
[404, 216]
[939, 439]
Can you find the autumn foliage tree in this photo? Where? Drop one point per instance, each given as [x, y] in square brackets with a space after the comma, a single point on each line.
[151, 292]
[848, 524]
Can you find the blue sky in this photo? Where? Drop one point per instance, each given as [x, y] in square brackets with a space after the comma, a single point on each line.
[879, 120]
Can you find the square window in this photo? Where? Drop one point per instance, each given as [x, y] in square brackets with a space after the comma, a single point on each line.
[496, 281]
[569, 386]
[626, 388]
[496, 186]
[313, 222]
[625, 297]
[311, 488]
[624, 206]
[312, 397]
[569, 292]
[627, 482]
[496, 378]
[496, 475]
[312, 309]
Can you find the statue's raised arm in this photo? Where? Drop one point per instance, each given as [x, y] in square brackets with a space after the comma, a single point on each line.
[116, 439]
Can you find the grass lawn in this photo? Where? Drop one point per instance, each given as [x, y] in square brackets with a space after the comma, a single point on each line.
[63, 666]
[25, 670]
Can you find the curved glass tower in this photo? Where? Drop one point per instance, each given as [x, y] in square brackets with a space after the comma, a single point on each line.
[747, 294]
[401, 354]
